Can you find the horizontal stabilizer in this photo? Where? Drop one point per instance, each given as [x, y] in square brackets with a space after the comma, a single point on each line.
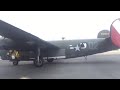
[104, 34]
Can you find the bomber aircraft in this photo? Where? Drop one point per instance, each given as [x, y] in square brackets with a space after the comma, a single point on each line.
[18, 45]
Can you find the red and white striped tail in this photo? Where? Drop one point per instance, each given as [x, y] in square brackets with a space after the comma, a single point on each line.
[115, 32]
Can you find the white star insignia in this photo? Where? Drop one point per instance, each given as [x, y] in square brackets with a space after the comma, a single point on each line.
[77, 48]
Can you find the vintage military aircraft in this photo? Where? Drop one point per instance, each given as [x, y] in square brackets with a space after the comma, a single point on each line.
[23, 46]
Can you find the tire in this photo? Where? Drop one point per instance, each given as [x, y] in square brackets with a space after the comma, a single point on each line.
[38, 63]
[15, 63]
[50, 60]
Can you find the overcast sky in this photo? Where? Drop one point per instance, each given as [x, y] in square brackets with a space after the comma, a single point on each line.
[52, 25]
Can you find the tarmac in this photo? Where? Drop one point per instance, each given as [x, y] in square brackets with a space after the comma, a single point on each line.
[99, 66]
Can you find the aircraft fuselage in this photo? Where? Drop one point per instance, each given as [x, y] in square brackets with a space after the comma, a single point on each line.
[77, 48]
[68, 48]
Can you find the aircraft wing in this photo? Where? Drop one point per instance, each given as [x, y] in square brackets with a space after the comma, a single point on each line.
[18, 35]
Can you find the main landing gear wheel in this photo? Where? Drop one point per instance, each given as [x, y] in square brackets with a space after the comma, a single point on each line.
[50, 60]
[38, 63]
[15, 63]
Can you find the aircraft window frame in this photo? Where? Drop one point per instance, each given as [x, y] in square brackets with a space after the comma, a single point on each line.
[85, 45]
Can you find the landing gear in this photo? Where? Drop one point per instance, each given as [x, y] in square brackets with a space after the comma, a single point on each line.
[38, 62]
[13, 56]
[85, 57]
[50, 60]
[15, 63]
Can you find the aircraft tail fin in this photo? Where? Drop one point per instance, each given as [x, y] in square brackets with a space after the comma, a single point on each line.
[115, 32]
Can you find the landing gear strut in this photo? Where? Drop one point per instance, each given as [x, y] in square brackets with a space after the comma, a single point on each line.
[38, 62]
[85, 57]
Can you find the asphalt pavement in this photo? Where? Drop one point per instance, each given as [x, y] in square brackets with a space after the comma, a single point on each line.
[95, 67]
